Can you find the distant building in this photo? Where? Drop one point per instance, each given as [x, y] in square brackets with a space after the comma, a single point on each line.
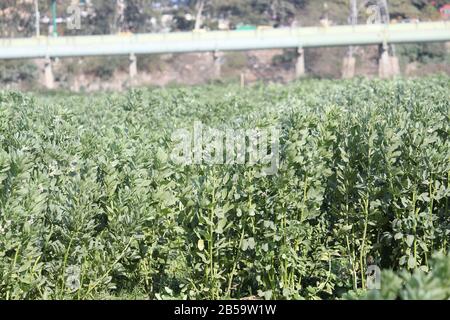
[445, 12]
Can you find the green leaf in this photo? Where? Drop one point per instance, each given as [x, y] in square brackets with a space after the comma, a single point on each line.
[409, 240]
[200, 245]
[411, 262]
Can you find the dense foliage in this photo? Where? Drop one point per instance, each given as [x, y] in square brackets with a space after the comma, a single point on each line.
[418, 285]
[92, 207]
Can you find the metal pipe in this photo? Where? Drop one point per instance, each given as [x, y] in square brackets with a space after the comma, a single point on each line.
[38, 18]
[353, 20]
[54, 12]
[181, 42]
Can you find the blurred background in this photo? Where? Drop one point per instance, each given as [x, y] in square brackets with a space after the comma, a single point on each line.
[31, 18]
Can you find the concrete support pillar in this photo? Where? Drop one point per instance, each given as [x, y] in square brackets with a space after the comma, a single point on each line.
[384, 63]
[388, 65]
[395, 66]
[348, 67]
[218, 60]
[300, 64]
[242, 78]
[133, 66]
[49, 80]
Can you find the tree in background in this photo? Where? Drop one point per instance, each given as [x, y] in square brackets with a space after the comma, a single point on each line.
[17, 17]
[199, 7]
[422, 9]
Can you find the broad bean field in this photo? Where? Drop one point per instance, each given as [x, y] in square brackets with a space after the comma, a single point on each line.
[93, 207]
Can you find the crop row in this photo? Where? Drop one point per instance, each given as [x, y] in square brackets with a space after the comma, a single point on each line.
[91, 206]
